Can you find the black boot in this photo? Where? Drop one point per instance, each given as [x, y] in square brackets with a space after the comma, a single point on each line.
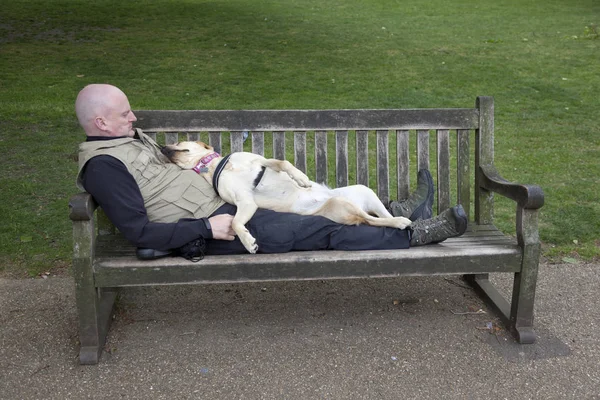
[419, 203]
[450, 223]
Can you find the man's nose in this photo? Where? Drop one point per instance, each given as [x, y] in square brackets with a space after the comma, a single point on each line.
[133, 117]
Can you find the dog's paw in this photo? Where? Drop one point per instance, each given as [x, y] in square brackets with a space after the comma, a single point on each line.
[249, 243]
[253, 249]
[303, 181]
[402, 223]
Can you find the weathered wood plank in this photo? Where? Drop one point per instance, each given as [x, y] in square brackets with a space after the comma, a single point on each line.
[193, 136]
[432, 260]
[321, 165]
[422, 149]
[443, 169]
[258, 143]
[171, 138]
[214, 140]
[383, 162]
[237, 141]
[484, 155]
[279, 145]
[300, 151]
[341, 158]
[463, 173]
[290, 120]
[362, 158]
[403, 163]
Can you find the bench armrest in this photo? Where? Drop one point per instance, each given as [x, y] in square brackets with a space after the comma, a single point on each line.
[526, 196]
[82, 207]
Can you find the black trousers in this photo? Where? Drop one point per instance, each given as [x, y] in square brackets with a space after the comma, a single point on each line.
[277, 232]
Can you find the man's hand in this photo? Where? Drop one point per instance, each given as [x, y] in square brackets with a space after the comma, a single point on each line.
[221, 227]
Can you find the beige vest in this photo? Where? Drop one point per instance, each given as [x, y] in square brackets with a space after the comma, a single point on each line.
[169, 192]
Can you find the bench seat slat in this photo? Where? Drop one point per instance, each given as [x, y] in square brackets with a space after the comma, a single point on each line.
[307, 266]
[479, 250]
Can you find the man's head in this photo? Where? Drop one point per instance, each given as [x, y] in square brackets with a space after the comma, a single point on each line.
[103, 110]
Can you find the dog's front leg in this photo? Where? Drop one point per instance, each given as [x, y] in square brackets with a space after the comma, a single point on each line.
[245, 210]
[283, 165]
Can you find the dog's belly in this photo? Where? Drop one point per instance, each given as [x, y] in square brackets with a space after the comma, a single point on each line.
[278, 192]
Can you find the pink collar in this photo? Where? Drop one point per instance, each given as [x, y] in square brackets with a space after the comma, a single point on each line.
[204, 161]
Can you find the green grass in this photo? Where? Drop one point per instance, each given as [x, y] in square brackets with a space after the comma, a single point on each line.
[538, 59]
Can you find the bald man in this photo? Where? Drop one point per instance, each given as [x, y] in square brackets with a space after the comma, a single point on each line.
[159, 207]
[103, 110]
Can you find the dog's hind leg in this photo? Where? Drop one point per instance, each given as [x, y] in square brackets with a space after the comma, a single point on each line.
[285, 166]
[345, 212]
[365, 198]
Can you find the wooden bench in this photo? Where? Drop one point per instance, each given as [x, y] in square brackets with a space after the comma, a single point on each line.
[371, 146]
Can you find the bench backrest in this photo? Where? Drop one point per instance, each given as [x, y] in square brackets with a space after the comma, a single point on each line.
[351, 135]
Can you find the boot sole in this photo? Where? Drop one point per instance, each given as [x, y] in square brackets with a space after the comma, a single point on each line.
[458, 212]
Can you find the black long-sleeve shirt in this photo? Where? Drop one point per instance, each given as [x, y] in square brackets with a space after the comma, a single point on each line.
[115, 190]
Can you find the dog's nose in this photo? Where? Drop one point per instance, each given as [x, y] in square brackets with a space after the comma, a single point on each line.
[166, 151]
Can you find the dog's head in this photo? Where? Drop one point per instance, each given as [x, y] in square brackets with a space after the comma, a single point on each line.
[187, 154]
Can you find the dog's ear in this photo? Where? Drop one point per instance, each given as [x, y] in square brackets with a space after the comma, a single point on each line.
[207, 147]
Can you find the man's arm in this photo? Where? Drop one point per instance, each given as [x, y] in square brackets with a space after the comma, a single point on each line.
[115, 190]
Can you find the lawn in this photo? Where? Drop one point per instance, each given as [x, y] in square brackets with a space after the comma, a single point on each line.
[538, 59]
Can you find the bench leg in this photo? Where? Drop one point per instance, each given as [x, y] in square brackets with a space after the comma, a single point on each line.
[517, 316]
[94, 307]
[523, 295]
[95, 314]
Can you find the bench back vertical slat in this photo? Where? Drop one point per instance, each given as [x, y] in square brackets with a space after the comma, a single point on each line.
[422, 149]
[484, 156]
[300, 151]
[383, 162]
[443, 169]
[214, 140]
[171, 137]
[341, 158]
[402, 163]
[258, 143]
[152, 135]
[193, 136]
[463, 172]
[362, 158]
[279, 145]
[237, 141]
[321, 157]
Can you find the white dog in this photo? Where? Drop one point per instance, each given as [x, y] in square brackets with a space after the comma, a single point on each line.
[250, 181]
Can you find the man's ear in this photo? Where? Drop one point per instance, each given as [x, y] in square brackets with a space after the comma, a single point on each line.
[100, 123]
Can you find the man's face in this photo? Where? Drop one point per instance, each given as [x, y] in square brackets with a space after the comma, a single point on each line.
[119, 118]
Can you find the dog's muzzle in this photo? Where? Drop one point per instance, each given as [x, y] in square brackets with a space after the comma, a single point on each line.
[166, 151]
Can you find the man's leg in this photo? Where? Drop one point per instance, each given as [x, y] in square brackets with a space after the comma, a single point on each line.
[277, 232]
